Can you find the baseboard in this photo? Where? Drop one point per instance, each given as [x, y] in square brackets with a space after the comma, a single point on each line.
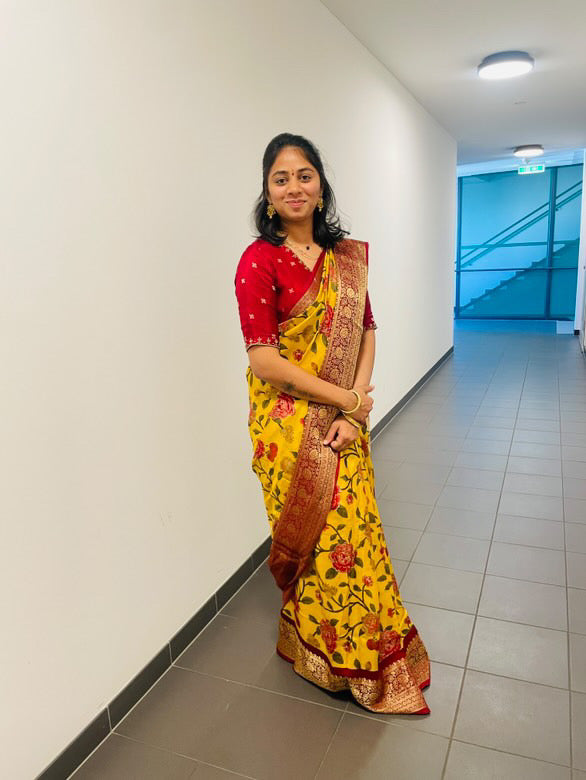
[88, 740]
[381, 424]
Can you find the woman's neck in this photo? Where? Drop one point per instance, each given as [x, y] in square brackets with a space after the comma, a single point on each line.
[300, 233]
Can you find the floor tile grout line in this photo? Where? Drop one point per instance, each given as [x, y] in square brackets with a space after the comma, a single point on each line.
[519, 579]
[327, 750]
[261, 688]
[570, 745]
[509, 753]
[183, 755]
[473, 631]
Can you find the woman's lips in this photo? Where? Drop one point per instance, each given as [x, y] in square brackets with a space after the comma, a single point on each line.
[295, 203]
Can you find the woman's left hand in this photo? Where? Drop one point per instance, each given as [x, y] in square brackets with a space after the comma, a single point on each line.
[341, 434]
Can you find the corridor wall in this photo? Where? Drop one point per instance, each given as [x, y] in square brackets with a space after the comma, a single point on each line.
[132, 142]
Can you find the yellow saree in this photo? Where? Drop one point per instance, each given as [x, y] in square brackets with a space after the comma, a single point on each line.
[342, 624]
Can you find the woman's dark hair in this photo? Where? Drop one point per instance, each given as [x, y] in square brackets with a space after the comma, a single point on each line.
[327, 230]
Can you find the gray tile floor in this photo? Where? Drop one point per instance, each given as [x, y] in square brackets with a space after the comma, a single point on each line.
[481, 482]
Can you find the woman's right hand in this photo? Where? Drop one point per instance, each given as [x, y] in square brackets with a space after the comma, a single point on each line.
[361, 414]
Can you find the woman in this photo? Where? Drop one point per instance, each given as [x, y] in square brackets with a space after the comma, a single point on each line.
[309, 333]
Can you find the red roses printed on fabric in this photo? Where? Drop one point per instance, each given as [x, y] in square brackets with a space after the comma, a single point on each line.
[326, 325]
[284, 407]
[343, 556]
[271, 451]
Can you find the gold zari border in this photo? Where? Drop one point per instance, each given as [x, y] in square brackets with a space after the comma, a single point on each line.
[396, 688]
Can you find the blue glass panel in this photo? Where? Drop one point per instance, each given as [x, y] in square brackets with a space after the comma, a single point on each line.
[503, 293]
[563, 294]
[502, 206]
[504, 250]
[567, 216]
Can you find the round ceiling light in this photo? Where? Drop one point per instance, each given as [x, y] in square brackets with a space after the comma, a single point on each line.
[505, 65]
[531, 150]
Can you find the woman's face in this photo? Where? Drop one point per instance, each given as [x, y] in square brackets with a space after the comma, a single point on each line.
[293, 185]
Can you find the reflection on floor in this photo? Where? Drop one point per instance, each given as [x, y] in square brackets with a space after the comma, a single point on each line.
[481, 482]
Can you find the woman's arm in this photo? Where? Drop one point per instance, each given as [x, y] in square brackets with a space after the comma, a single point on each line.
[267, 364]
[365, 362]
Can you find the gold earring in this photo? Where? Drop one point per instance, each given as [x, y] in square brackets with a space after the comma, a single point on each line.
[320, 203]
[271, 211]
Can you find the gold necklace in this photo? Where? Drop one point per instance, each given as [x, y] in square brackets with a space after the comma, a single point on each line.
[304, 252]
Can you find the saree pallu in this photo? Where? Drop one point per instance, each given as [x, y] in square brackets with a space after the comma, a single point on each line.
[342, 624]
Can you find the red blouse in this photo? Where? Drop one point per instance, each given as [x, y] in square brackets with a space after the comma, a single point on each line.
[269, 281]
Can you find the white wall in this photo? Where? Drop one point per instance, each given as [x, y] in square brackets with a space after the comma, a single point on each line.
[132, 136]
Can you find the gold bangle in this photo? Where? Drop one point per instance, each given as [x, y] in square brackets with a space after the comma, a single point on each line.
[358, 403]
[352, 421]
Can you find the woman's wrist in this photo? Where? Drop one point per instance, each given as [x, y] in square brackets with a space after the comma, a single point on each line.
[351, 398]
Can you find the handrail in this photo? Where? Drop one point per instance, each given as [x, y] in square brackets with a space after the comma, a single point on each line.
[565, 241]
[529, 268]
[522, 243]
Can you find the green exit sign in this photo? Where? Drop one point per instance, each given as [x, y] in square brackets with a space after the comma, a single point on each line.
[539, 168]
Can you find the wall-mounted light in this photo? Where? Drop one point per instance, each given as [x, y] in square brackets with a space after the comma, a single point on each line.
[531, 150]
[505, 65]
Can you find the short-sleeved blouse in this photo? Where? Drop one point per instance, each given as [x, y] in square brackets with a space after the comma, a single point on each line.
[269, 281]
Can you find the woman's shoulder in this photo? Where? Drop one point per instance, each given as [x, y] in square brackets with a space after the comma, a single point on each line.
[261, 249]
[257, 257]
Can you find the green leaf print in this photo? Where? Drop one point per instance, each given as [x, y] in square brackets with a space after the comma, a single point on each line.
[331, 573]
[342, 511]
[356, 663]
[337, 658]
[358, 561]
[312, 618]
[307, 600]
[352, 573]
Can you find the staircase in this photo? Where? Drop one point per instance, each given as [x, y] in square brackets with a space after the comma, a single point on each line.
[524, 290]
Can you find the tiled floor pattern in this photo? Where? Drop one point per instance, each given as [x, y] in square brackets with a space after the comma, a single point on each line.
[481, 482]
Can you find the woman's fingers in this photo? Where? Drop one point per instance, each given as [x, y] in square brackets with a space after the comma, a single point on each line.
[332, 433]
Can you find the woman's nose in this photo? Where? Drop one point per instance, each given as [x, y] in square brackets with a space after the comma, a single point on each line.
[293, 187]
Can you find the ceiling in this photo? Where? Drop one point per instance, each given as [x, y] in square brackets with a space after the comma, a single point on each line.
[433, 47]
